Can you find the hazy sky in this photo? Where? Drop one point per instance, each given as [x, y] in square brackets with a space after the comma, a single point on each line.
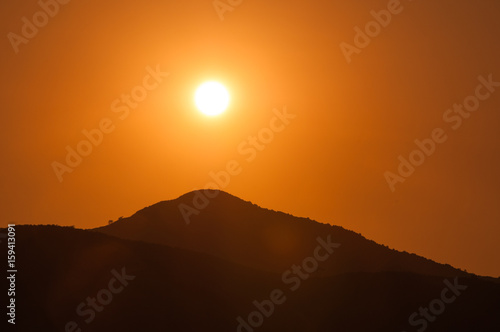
[355, 105]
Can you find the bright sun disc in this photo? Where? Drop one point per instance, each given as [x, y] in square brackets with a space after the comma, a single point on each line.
[211, 98]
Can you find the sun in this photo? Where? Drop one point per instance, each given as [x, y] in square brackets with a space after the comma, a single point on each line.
[211, 98]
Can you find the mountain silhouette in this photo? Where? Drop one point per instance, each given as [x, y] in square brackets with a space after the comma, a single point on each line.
[243, 233]
[63, 270]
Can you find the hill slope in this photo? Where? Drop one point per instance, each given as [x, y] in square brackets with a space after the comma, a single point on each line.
[243, 233]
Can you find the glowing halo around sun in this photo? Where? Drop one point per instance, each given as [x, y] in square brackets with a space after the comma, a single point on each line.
[211, 98]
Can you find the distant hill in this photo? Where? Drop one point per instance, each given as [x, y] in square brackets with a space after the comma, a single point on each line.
[243, 233]
[169, 289]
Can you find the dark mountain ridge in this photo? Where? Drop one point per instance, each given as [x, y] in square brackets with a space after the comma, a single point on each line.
[244, 233]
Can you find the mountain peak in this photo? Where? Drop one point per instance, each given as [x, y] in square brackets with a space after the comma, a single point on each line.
[205, 196]
[241, 232]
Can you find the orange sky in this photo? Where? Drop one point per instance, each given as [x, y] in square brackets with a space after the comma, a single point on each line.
[352, 120]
